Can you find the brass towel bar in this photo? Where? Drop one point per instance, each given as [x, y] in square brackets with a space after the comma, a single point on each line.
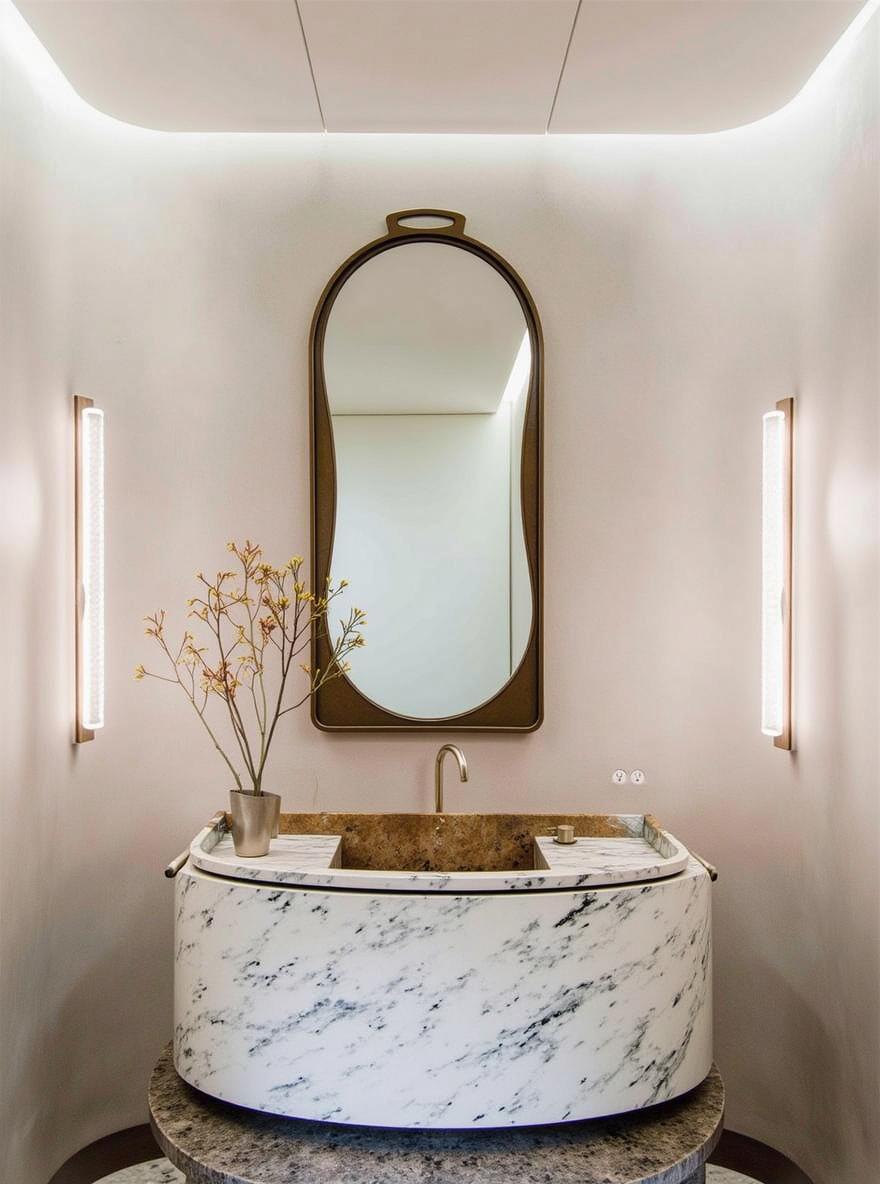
[177, 863]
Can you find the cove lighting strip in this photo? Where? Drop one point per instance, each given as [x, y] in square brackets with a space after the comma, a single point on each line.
[776, 574]
[89, 499]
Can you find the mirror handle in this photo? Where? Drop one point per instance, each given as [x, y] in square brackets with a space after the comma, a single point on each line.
[396, 228]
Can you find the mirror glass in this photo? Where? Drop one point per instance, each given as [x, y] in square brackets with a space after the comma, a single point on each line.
[427, 366]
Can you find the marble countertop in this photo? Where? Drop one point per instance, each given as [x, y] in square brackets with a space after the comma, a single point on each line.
[315, 860]
[216, 1143]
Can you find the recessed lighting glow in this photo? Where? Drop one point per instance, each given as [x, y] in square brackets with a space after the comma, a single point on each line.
[47, 75]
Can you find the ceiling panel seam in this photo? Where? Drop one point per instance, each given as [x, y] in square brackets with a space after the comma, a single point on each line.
[302, 30]
[577, 13]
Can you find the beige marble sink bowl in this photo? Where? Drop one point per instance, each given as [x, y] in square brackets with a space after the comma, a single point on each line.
[450, 842]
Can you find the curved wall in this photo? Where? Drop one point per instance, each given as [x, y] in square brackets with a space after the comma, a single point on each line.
[684, 283]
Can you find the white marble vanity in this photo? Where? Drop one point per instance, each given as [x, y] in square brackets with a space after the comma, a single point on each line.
[574, 983]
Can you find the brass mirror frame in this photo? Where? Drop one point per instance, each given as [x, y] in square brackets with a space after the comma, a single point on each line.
[339, 706]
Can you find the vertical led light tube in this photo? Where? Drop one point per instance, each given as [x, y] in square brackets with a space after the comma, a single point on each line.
[89, 433]
[776, 575]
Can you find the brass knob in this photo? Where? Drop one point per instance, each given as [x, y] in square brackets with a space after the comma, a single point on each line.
[564, 834]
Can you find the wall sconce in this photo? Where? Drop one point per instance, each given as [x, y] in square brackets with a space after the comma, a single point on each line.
[776, 575]
[89, 502]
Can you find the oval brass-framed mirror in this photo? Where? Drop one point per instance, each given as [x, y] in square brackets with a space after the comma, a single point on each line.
[426, 377]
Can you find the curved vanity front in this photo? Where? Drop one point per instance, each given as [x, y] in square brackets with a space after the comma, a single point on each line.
[437, 1005]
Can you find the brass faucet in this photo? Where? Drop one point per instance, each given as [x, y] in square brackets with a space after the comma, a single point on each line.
[438, 773]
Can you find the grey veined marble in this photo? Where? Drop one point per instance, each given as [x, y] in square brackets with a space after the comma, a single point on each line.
[570, 982]
[162, 1171]
[215, 1143]
[443, 1010]
[317, 861]
[156, 1171]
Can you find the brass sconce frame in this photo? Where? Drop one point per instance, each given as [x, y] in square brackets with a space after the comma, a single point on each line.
[80, 403]
[776, 574]
[89, 571]
[786, 406]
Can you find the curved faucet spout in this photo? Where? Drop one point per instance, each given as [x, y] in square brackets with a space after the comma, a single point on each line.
[438, 773]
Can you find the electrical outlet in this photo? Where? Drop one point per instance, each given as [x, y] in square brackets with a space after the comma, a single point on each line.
[637, 777]
[619, 776]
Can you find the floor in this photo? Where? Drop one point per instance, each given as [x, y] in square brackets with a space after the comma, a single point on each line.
[160, 1171]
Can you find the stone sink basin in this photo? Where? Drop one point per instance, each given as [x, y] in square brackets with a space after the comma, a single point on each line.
[450, 842]
[451, 852]
[444, 971]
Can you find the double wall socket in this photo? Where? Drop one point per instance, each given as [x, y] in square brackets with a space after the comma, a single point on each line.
[619, 777]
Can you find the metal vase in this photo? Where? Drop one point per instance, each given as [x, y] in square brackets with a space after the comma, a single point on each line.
[254, 819]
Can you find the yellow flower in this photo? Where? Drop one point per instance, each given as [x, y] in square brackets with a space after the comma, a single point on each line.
[139, 672]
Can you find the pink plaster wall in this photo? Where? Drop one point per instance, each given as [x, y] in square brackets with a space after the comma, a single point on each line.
[685, 284]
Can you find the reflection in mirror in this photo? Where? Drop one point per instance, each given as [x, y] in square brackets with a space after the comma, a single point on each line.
[427, 366]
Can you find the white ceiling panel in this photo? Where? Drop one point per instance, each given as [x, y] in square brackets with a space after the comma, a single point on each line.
[691, 65]
[437, 65]
[184, 65]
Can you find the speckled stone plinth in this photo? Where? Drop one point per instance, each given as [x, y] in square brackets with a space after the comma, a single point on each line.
[215, 1143]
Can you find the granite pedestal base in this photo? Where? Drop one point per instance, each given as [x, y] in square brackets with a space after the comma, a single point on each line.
[212, 1142]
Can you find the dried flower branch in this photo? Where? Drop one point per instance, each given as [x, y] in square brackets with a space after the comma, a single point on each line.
[259, 619]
